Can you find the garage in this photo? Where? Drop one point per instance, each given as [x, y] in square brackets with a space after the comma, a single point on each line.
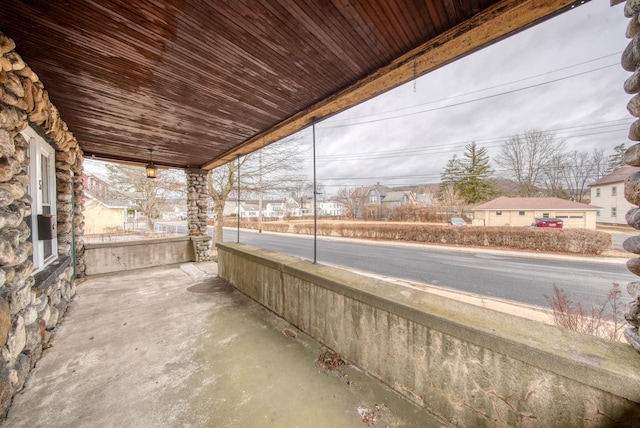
[572, 219]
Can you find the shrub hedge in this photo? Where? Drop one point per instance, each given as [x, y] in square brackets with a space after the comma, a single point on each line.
[577, 241]
[269, 226]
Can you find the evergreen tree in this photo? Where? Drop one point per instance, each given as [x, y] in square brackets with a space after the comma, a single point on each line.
[450, 177]
[615, 160]
[470, 176]
[475, 186]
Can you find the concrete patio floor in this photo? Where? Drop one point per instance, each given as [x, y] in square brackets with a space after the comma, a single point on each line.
[175, 346]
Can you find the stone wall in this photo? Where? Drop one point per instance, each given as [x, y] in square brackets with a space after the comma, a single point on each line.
[467, 365]
[631, 62]
[198, 201]
[32, 305]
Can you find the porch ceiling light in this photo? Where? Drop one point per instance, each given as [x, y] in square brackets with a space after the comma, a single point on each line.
[152, 171]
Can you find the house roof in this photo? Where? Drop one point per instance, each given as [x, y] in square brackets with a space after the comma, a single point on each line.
[396, 196]
[202, 81]
[111, 203]
[506, 203]
[617, 176]
[380, 189]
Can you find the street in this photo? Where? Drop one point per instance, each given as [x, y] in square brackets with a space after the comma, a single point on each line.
[516, 276]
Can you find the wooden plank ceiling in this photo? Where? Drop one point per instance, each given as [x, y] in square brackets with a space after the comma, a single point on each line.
[200, 81]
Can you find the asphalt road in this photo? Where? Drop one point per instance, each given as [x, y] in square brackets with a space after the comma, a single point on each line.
[511, 276]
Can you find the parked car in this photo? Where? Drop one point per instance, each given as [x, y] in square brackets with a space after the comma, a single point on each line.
[554, 223]
[457, 221]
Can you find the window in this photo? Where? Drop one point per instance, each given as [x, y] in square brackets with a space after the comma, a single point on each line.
[498, 212]
[520, 212]
[42, 189]
[597, 213]
[614, 191]
[545, 215]
[577, 216]
[598, 192]
[614, 212]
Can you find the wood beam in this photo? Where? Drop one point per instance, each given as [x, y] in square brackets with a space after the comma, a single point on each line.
[497, 22]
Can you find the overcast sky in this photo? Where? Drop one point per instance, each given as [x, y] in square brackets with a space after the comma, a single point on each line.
[406, 136]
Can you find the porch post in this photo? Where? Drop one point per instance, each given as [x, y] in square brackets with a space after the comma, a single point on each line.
[197, 203]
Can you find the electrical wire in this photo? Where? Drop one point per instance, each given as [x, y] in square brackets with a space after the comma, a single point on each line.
[335, 119]
[471, 101]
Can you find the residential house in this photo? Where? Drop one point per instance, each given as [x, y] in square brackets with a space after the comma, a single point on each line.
[332, 209]
[275, 209]
[379, 200]
[248, 210]
[506, 211]
[398, 198]
[106, 210]
[608, 192]
[107, 215]
[280, 208]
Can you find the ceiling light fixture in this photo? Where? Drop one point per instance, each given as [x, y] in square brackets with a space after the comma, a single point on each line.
[152, 171]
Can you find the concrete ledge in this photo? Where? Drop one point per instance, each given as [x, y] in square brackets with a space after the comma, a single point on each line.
[465, 364]
[127, 255]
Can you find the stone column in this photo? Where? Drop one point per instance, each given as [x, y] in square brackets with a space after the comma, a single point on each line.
[631, 62]
[78, 213]
[197, 203]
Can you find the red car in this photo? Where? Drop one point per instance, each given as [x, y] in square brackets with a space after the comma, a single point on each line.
[554, 223]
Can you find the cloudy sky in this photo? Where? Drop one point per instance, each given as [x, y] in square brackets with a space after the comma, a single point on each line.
[563, 76]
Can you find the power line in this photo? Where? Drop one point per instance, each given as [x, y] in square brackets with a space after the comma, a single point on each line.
[490, 141]
[473, 100]
[331, 120]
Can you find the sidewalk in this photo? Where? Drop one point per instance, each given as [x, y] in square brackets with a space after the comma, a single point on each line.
[175, 346]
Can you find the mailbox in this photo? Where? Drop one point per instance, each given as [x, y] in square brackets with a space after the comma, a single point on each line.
[46, 227]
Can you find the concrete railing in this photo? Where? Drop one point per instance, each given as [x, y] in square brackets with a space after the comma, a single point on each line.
[127, 255]
[467, 365]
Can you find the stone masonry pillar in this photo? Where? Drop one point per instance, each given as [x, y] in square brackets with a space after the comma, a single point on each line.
[197, 203]
[631, 62]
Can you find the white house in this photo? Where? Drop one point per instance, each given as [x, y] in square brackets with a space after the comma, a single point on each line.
[608, 193]
[332, 209]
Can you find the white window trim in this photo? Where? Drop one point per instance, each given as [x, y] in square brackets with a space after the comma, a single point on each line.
[38, 147]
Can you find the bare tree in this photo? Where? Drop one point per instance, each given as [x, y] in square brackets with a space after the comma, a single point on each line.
[344, 196]
[581, 168]
[275, 168]
[524, 157]
[221, 182]
[554, 175]
[600, 163]
[148, 193]
[450, 198]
